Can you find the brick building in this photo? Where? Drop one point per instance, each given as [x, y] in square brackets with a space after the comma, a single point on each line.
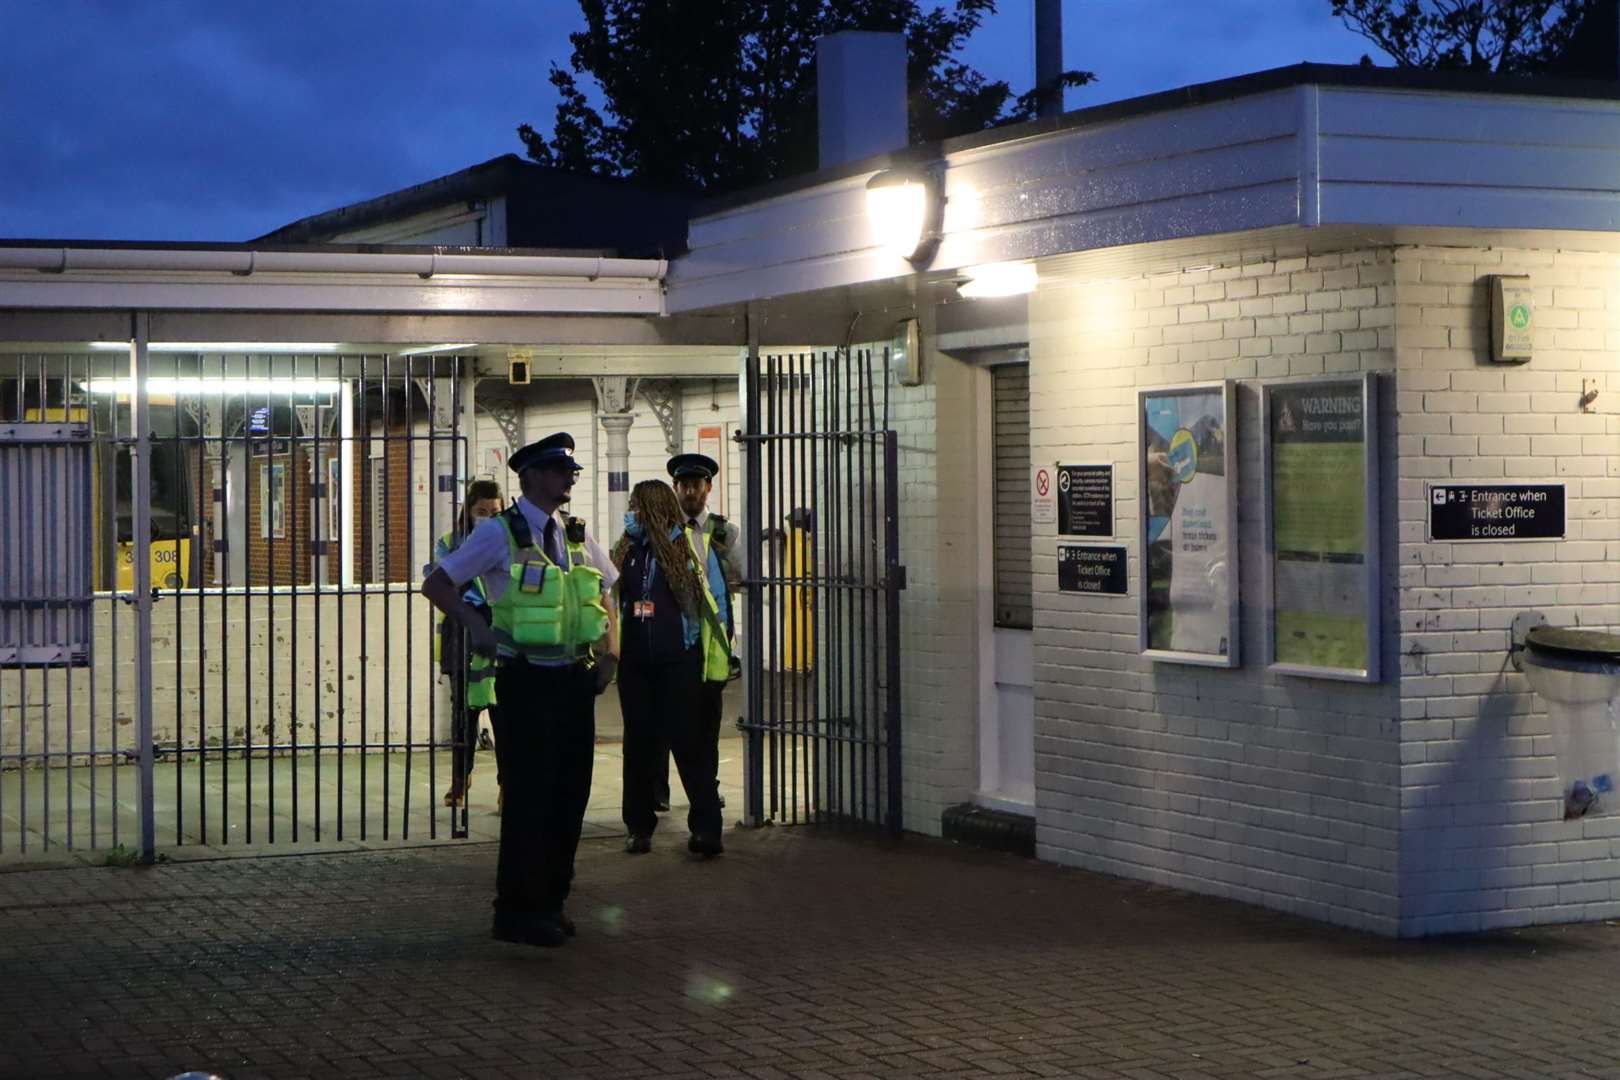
[1278, 231]
[1130, 303]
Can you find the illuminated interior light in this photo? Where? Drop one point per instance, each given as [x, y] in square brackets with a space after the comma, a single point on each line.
[224, 346]
[195, 387]
[999, 279]
[424, 350]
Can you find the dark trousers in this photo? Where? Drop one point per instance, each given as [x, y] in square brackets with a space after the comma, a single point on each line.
[545, 744]
[464, 734]
[710, 707]
[662, 701]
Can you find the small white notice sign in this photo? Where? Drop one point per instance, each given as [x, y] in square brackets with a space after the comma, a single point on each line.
[1043, 495]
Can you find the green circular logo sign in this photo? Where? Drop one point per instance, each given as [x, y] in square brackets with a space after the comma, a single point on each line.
[1519, 316]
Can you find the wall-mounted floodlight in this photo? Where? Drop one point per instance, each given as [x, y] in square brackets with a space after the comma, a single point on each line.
[194, 387]
[998, 279]
[904, 208]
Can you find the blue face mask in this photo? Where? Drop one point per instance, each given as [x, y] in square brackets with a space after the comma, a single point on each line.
[632, 524]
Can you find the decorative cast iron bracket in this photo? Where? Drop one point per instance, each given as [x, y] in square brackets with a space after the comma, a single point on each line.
[663, 396]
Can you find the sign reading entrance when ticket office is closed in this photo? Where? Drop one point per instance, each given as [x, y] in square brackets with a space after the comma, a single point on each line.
[1496, 512]
[1092, 569]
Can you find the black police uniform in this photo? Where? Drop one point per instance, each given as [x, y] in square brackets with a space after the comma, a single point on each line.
[545, 746]
[711, 695]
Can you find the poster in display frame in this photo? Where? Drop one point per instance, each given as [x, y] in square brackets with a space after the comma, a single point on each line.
[334, 500]
[273, 500]
[1349, 602]
[1187, 434]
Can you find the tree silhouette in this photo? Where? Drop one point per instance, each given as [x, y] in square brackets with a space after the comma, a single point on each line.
[1500, 36]
[715, 95]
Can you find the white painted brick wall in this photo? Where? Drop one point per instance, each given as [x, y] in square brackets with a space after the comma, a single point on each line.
[1270, 789]
[939, 608]
[1483, 843]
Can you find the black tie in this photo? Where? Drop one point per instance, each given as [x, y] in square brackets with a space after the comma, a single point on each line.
[552, 552]
[691, 523]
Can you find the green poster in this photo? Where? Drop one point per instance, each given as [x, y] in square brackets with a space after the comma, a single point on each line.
[1318, 485]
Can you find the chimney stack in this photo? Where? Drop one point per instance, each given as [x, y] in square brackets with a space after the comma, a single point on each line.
[860, 95]
[1049, 55]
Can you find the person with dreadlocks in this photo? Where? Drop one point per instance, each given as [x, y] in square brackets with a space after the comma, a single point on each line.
[672, 641]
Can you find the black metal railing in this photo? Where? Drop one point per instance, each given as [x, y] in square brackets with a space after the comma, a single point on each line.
[822, 614]
[289, 504]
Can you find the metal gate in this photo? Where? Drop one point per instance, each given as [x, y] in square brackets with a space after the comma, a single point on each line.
[211, 632]
[823, 599]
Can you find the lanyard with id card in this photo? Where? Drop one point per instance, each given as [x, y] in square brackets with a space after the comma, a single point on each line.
[644, 609]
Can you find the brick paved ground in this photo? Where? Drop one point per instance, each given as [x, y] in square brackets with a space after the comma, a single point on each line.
[796, 955]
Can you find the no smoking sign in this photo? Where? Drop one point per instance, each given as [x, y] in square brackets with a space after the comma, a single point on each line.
[1043, 501]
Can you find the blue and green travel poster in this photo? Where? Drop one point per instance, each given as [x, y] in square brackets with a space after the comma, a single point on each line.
[1188, 549]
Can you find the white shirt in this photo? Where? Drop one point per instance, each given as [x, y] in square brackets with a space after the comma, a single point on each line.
[484, 553]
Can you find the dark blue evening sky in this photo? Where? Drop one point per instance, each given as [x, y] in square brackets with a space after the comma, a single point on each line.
[211, 120]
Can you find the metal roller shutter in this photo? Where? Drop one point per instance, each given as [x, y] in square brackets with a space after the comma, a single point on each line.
[1011, 529]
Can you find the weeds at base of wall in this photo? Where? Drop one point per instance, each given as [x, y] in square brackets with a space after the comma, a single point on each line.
[122, 856]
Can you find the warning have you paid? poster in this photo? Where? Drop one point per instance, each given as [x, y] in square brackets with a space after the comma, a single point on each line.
[1319, 487]
[1188, 524]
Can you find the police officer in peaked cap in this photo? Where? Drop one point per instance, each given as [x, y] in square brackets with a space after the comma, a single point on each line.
[693, 476]
[553, 658]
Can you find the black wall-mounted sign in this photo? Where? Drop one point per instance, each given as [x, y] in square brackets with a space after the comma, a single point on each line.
[1496, 512]
[1091, 569]
[1085, 500]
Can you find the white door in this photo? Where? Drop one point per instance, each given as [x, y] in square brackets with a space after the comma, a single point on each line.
[1007, 661]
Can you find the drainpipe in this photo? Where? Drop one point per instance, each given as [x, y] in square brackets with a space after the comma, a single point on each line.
[140, 459]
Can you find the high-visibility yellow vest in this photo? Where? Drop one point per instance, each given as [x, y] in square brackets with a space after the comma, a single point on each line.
[547, 612]
[448, 543]
[480, 669]
[480, 682]
[716, 647]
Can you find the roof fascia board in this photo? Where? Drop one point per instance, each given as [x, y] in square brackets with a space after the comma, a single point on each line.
[1410, 158]
[1222, 167]
[1259, 82]
[313, 294]
[1305, 155]
[22, 330]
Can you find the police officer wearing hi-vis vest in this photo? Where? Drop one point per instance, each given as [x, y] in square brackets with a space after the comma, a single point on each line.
[556, 643]
[693, 476]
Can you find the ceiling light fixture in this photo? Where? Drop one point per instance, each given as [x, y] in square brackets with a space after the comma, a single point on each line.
[195, 387]
[998, 279]
[224, 346]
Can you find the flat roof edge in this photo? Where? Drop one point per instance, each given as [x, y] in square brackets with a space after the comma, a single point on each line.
[1344, 76]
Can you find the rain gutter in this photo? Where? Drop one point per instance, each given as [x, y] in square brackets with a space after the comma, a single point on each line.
[61, 260]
